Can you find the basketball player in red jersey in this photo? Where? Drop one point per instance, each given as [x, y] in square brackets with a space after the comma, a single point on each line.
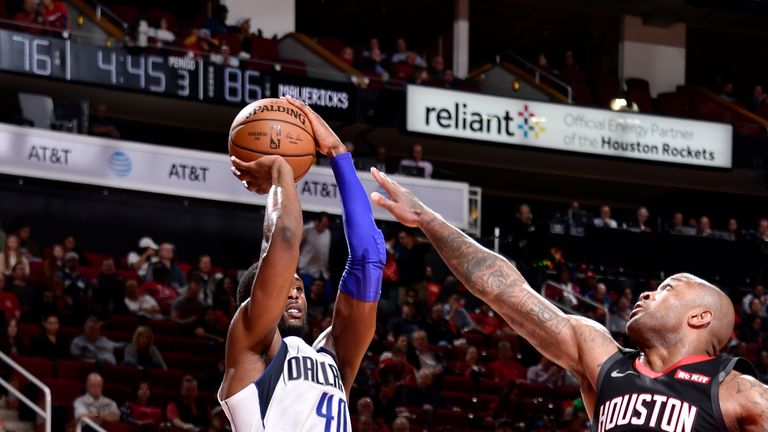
[674, 382]
[273, 379]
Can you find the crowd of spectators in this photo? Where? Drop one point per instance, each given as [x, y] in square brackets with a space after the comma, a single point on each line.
[439, 358]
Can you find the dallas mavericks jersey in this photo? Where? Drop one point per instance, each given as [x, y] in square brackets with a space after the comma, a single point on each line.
[683, 398]
[300, 390]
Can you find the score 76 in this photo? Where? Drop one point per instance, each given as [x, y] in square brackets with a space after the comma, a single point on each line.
[35, 61]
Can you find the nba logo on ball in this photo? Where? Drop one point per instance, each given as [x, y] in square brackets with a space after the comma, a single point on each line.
[274, 137]
[120, 164]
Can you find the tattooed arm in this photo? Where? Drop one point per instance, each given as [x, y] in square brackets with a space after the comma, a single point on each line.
[579, 345]
[744, 403]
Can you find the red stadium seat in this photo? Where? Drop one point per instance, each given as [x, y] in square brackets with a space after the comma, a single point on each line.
[29, 331]
[232, 41]
[41, 368]
[456, 420]
[122, 322]
[165, 379]
[90, 273]
[64, 392]
[126, 12]
[121, 427]
[74, 370]
[127, 376]
[457, 384]
[96, 258]
[264, 49]
[36, 272]
[129, 275]
[672, 104]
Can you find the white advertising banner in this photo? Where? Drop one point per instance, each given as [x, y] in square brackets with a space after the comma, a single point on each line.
[566, 127]
[188, 173]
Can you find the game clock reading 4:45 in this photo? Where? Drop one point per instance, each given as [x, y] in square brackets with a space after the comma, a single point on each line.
[178, 76]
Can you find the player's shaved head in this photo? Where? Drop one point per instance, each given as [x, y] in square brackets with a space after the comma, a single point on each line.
[706, 296]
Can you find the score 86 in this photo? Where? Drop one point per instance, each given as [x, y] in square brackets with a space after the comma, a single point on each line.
[241, 86]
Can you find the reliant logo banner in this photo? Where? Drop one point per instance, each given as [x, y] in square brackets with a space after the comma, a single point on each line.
[566, 127]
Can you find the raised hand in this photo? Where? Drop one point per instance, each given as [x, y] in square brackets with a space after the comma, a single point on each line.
[257, 176]
[402, 203]
[326, 140]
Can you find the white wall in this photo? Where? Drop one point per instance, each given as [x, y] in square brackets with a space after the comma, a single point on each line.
[271, 16]
[655, 53]
[663, 66]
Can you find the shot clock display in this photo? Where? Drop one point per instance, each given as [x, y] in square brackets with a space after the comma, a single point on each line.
[178, 76]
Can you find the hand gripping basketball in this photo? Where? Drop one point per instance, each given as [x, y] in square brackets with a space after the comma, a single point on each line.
[257, 175]
[326, 140]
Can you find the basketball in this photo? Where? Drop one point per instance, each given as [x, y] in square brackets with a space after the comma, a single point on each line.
[273, 127]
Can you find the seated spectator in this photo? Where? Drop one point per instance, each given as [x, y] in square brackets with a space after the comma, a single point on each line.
[424, 395]
[224, 57]
[29, 17]
[204, 269]
[140, 304]
[487, 321]
[410, 253]
[107, 296]
[159, 289]
[578, 219]
[458, 317]
[422, 357]
[405, 324]
[470, 367]
[9, 303]
[504, 425]
[571, 71]
[49, 344]
[92, 346]
[70, 245]
[752, 331]
[382, 163]
[138, 411]
[175, 277]
[398, 367]
[545, 372]
[758, 98]
[24, 291]
[224, 296]
[505, 367]
[727, 92]
[315, 250]
[55, 14]
[620, 316]
[101, 124]
[436, 70]
[161, 35]
[415, 165]
[705, 229]
[374, 60]
[605, 220]
[509, 406]
[10, 341]
[217, 23]
[140, 261]
[94, 405]
[438, 328]
[543, 64]
[347, 55]
[402, 54]
[142, 352]
[27, 246]
[401, 424]
[188, 308]
[243, 26]
[677, 226]
[11, 255]
[75, 286]
[317, 303]
[734, 233]
[53, 264]
[186, 410]
[641, 223]
[208, 326]
[758, 292]
[523, 232]
[387, 398]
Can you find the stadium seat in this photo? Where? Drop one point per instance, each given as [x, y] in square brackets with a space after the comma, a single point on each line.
[672, 104]
[74, 370]
[121, 427]
[457, 384]
[96, 258]
[90, 273]
[127, 376]
[166, 379]
[126, 12]
[264, 49]
[41, 368]
[63, 391]
[457, 420]
[36, 272]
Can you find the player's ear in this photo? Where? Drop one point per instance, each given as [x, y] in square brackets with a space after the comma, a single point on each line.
[700, 318]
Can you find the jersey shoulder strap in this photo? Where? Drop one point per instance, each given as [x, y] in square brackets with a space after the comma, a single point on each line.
[269, 379]
[615, 357]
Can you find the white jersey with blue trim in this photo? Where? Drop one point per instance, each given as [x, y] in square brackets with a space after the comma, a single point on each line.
[300, 390]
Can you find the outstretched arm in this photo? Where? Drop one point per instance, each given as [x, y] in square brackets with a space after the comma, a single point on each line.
[578, 345]
[256, 321]
[354, 317]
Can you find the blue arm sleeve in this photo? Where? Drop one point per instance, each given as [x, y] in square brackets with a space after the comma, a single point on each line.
[367, 252]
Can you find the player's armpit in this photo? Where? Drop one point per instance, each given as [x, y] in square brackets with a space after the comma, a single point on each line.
[744, 403]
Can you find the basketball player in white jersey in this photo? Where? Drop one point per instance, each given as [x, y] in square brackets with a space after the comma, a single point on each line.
[274, 381]
[674, 382]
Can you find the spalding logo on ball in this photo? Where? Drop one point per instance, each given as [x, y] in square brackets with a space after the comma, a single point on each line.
[273, 127]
